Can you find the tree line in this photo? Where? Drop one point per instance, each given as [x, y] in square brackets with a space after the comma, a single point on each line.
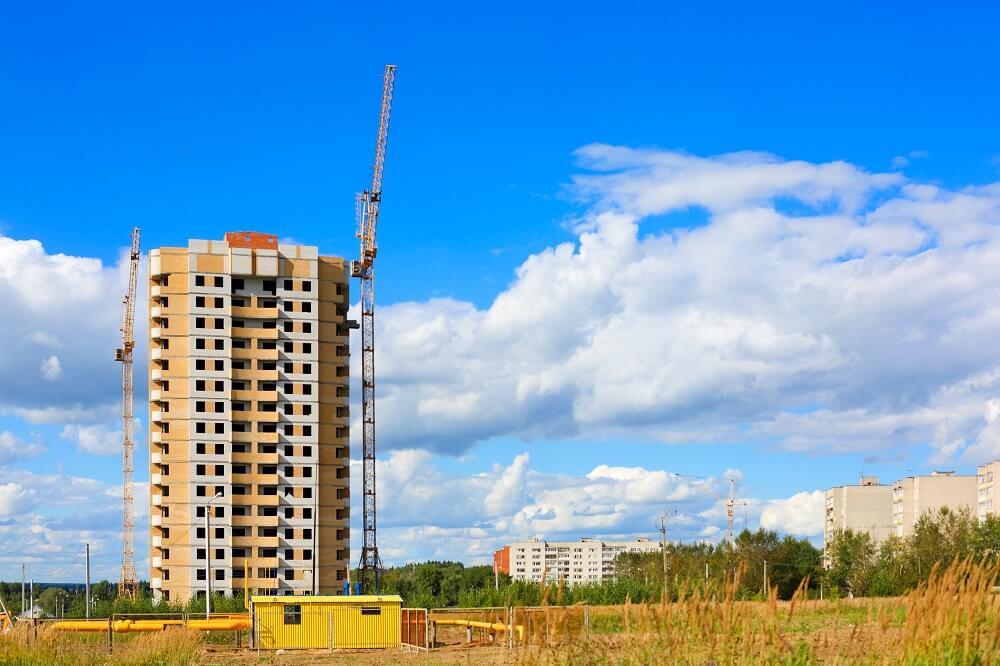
[856, 566]
[860, 567]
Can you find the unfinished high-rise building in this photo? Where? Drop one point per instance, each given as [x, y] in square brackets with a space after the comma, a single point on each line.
[248, 423]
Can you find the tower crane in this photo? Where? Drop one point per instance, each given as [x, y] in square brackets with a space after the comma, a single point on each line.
[366, 210]
[127, 585]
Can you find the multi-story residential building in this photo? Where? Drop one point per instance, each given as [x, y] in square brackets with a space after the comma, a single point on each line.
[988, 497]
[573, 562]
[866, 507]
[914, 496]
[248, 427]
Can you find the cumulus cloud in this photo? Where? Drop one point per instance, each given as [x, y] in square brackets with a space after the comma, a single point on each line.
[51, 368]
[425, 513]
[821, 307]
[799, 515]
[97, 439]
[13, 448]
[46, 518]
[66, 303]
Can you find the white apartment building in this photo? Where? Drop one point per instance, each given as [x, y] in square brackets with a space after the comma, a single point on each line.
[574, 562]
[866, 507]
[914, 496]
[988, 496]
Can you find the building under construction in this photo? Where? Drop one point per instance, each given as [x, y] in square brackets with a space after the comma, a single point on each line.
[248, 427]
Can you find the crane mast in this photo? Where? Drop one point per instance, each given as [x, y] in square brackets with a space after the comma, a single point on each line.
[366, 210]
[127, 585]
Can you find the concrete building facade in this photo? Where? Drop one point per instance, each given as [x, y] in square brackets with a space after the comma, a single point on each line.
[866, 507]
[988, 491]
[914, 496]
[248, 420]
[573, 562]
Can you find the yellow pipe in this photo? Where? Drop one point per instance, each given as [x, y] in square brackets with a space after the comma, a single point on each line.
[231, 623]
[483, 625]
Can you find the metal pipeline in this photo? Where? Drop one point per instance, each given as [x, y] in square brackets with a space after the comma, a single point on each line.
[233, 623]
[497, 626]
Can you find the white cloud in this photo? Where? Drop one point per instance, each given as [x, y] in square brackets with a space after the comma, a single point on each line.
[66, 303]
[819, 306]
[46, 518]
[97, 439]
[14, 498]
[51, 368]
[425, 513]
[13, 448]
[800, 515]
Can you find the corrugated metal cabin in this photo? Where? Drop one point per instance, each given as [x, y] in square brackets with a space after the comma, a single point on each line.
[338, 622]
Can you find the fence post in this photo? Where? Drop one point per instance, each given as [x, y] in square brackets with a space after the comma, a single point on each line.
[331, 631]
[510, 628]
[111, 640]
[586, 621]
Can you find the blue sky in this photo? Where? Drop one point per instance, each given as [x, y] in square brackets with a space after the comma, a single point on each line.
[191, 120]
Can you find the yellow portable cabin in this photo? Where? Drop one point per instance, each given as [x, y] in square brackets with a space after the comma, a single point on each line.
[346, 622]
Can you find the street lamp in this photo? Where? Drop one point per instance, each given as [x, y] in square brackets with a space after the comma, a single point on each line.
[208, 557]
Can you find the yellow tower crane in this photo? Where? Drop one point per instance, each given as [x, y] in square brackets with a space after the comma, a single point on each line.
[367, 208]
[127, 585]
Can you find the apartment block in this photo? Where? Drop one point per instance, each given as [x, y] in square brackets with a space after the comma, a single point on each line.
[866, 507]
[916, 495]
[988, 495]
[573, 562]
[248, 418]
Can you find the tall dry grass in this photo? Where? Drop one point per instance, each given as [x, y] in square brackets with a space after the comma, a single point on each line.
[25, 646]
[952, 619]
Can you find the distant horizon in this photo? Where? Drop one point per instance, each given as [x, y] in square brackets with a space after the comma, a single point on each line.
[611, 274]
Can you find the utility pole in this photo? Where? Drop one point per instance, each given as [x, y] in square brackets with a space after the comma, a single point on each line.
[22, 589]
[208, 557]
[31, 594]
[208, 564]
[663, 547]
[767, 591]
[88, 581]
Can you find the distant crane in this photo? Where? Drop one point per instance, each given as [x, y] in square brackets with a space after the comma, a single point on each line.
[366, 210]
[731, 502]
[127, 585]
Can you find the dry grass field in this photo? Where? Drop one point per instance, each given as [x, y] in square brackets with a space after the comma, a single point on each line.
[953, 619]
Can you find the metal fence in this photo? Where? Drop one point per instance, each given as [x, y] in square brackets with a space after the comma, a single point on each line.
[414, 628]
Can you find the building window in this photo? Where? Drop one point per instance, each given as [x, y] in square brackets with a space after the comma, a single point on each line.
[199, 301]
[307, 513]
[218, 302]
[289, 347]
[307, 430]
[199, 343]
[199, 280]
[199, 364]
[292, 614]
[288, 285]
[306, 285]
[220, 344]
[287, 326]
[307, 451]
[306, 306]
[200, 574]
[220, 428]
[219, 282]
[307, 327]
[199, 322]
[238, 284]
[307, 347]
